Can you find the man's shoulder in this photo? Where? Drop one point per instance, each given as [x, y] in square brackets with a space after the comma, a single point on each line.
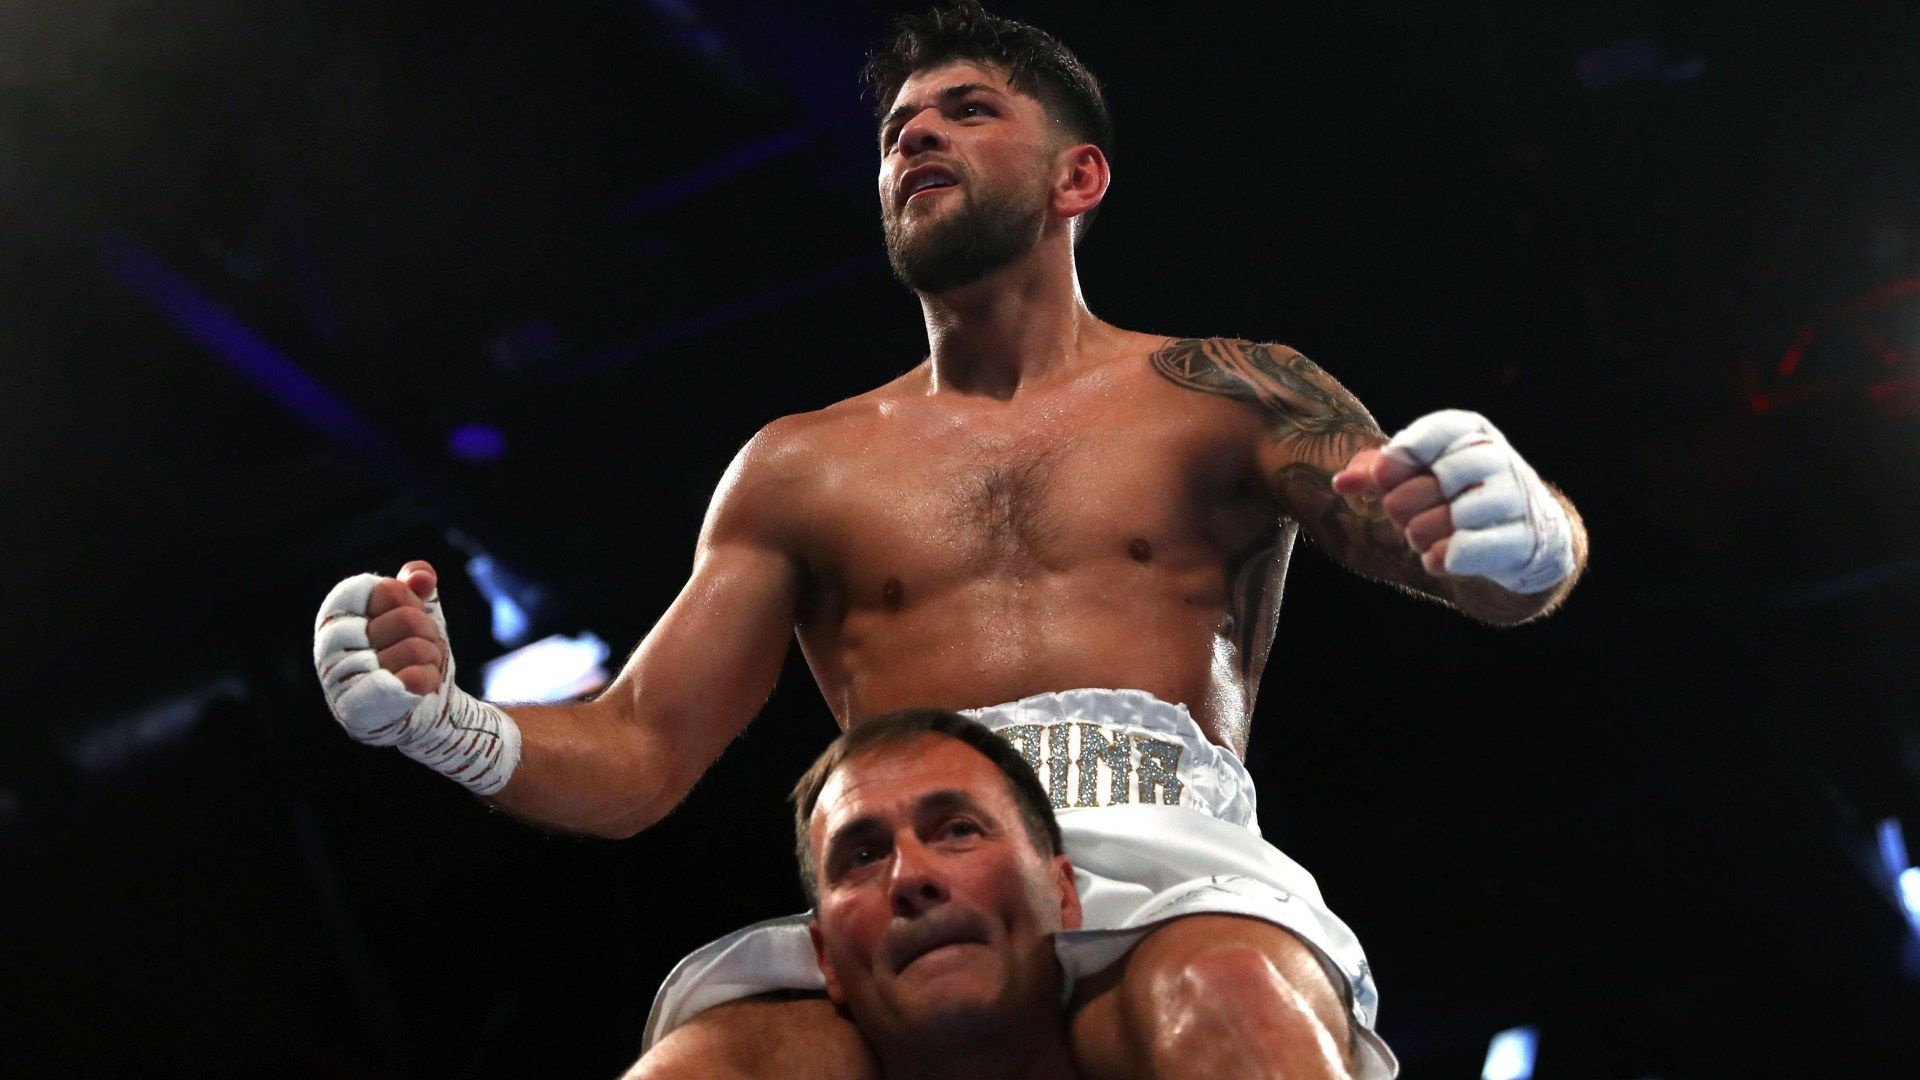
[805, 434]
[802, 443]
[817, 429]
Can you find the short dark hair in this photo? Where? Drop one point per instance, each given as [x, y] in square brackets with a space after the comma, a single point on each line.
[1036, 810]
[1035, 62]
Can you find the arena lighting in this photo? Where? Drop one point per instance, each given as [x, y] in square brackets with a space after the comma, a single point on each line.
[142, 273]
[1872, 300]
[476, 444]
[1901, 873]
[510, 619]
[1510, 1055]
[556, 668]
[124, 741]
[743, 159]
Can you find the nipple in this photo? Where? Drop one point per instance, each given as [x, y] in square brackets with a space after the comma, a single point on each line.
[1139, 550]
[892, 593]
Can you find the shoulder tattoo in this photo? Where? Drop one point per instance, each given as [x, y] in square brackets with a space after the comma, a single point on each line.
[1302, 404]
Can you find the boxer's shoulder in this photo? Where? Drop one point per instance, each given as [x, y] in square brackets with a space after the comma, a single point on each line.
[801, 445]
[766, 487]
[797, 457]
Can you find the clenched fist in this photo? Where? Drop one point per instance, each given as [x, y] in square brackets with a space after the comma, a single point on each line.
[380, 648]
[1466, 502]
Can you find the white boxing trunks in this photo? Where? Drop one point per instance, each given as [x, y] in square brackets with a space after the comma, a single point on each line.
[1159, 823]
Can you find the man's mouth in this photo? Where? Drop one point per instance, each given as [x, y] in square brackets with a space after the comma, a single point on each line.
[931, 933]
[926, 178]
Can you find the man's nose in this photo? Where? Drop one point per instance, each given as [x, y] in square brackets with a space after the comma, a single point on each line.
[924, 131]
[917, 883]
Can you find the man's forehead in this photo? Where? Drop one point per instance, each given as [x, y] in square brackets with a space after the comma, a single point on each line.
[894, 776]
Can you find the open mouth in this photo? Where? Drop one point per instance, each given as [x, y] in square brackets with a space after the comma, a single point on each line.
[924, 179]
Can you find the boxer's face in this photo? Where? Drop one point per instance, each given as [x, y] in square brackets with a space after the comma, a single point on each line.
[935, 908]
[987, 150]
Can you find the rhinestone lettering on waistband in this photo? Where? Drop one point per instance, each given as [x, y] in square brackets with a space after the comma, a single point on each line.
[1136, 766]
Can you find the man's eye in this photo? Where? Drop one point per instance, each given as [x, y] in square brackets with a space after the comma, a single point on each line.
[974, 108]
[864, 854]
[961, 827]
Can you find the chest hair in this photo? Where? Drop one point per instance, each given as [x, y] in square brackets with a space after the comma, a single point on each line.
[1002, 499]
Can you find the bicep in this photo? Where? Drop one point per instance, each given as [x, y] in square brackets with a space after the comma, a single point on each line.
[711, 661]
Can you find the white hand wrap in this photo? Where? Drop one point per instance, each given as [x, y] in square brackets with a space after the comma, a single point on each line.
[1509, 529]
[449, 731]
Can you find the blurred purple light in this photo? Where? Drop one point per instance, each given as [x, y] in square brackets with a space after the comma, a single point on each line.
[476, 444]
[740, 160]
[195, 314]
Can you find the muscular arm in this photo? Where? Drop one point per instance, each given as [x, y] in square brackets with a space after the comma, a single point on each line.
[1313, 427]
[619, 763]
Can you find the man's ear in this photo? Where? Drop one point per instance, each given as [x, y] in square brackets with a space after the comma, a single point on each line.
[1070, 914]
[826, 965]
[1081, 181]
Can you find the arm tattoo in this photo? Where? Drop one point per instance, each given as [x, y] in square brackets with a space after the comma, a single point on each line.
[1367, 544]
[1313, 427]
[1256, 577]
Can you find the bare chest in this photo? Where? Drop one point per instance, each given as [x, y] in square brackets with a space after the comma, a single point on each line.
[931, 506]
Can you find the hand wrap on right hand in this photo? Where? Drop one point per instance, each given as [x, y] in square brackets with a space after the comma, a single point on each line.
[1508, 526]
[448, 730]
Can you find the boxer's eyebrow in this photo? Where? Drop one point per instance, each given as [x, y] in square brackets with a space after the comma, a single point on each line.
[899, 113]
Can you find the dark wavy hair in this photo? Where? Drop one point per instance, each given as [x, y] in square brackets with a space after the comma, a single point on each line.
[1036, 810]
[1034, 60]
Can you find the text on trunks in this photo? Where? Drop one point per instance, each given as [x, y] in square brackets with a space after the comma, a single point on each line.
[1123, 757]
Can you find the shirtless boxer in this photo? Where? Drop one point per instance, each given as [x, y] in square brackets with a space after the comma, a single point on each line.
[1047, 502]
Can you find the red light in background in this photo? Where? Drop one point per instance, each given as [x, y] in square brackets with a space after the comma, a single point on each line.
[1796, 351]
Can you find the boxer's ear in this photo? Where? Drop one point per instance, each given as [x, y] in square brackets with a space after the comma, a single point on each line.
[826, 965]
[1070, 914]
[1082, 179]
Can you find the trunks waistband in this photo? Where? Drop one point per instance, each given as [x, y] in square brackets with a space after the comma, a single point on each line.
[1101, 748]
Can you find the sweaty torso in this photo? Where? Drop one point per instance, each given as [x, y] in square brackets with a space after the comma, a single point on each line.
[1105, 529]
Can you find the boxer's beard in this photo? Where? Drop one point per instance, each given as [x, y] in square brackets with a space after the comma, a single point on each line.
[984, 233]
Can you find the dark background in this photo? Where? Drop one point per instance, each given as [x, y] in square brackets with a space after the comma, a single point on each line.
[258, 260]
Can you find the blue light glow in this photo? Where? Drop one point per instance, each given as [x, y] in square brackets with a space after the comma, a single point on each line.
[741, 159]
[510, 619]
[1893, 847]
[195, 314]
[1901, 873]
[476, 444]
[1910, 896]
[1510, 1055]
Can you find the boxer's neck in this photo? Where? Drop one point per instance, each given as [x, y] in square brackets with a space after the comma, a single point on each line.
[1019, 325]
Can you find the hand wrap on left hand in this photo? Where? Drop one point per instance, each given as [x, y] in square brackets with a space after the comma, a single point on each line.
[1510, 529]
